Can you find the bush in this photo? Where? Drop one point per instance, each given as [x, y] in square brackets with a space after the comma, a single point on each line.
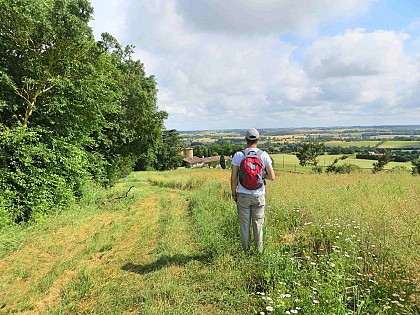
[346, 168]
[38, 175]
[416, 167]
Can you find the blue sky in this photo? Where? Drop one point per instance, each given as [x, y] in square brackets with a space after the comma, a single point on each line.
[224, 64]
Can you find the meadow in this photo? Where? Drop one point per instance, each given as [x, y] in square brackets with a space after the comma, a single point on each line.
[289, 162]
[389, 144]
[168, 243]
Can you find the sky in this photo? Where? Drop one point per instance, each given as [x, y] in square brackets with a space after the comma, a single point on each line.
[238, 64]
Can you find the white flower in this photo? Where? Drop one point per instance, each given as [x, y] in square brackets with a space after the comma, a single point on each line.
[315, 301]
[294, 311]
[269, 308]
[287, 312]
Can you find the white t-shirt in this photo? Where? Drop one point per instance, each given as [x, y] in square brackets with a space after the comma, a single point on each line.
[237, 159]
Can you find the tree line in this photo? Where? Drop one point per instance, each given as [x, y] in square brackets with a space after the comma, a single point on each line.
[73, 111]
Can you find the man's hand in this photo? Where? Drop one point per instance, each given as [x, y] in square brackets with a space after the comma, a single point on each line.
[235, 197]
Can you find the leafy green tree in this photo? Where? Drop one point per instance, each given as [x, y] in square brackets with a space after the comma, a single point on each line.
[134, 132]
[45, 46]
[309, 152]
[169, 153]
[69, 105]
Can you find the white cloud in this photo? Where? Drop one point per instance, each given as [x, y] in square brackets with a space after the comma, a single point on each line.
[356, 53]
[266, 16]
[365, 71]
[221, 64]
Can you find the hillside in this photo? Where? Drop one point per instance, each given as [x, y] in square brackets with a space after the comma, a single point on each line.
[167, 243]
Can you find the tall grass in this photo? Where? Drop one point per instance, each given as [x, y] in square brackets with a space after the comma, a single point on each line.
[334, 244]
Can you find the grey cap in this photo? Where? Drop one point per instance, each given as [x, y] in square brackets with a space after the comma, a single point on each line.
[252, 134]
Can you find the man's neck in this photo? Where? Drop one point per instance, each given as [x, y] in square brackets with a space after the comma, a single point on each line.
[252, 146]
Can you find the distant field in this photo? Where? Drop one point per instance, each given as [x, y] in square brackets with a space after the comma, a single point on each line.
[206, 140]
[346, 144]
[290, 162]
[400, 145]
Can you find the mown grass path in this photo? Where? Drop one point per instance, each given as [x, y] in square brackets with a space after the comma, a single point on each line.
[134, 255]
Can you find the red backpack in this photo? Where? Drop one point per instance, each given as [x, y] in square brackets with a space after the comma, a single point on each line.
[251, 170]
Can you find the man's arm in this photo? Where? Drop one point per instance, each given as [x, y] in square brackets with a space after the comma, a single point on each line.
[234, 180]
[270, 173]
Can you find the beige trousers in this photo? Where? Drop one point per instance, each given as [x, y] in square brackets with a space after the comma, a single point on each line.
[251, 211]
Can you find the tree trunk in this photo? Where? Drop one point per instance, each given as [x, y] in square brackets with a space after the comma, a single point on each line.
[28, 113]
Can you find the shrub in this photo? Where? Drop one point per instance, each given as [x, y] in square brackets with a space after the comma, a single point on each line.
[416, 167]
[346, 168]
[38, 175]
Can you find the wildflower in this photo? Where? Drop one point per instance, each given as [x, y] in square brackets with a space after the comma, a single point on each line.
[287, 312]
[315, 301]
[262, 313]
[313, 263]
[298, 308]
[269, 308]
[294, 311]
[332, 264]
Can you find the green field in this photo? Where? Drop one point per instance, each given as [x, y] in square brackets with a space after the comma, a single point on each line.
[290, 162]
[334, 244]
[400, 145]
[347, 144]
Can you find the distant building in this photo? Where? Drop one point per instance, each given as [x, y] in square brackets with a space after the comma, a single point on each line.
[374, 153]
[199, 162]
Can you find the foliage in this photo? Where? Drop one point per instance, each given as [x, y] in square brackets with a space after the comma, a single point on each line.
[383, 160]
[222, 162]
[331, 168]
[86, 107]
[37, 176]
[346, 168]
[169, 153]
[309, 152]
[416, 167]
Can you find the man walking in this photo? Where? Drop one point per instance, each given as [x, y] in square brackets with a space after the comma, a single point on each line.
[250, 168]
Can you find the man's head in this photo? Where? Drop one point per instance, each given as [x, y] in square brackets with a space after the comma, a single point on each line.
[252, 136]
